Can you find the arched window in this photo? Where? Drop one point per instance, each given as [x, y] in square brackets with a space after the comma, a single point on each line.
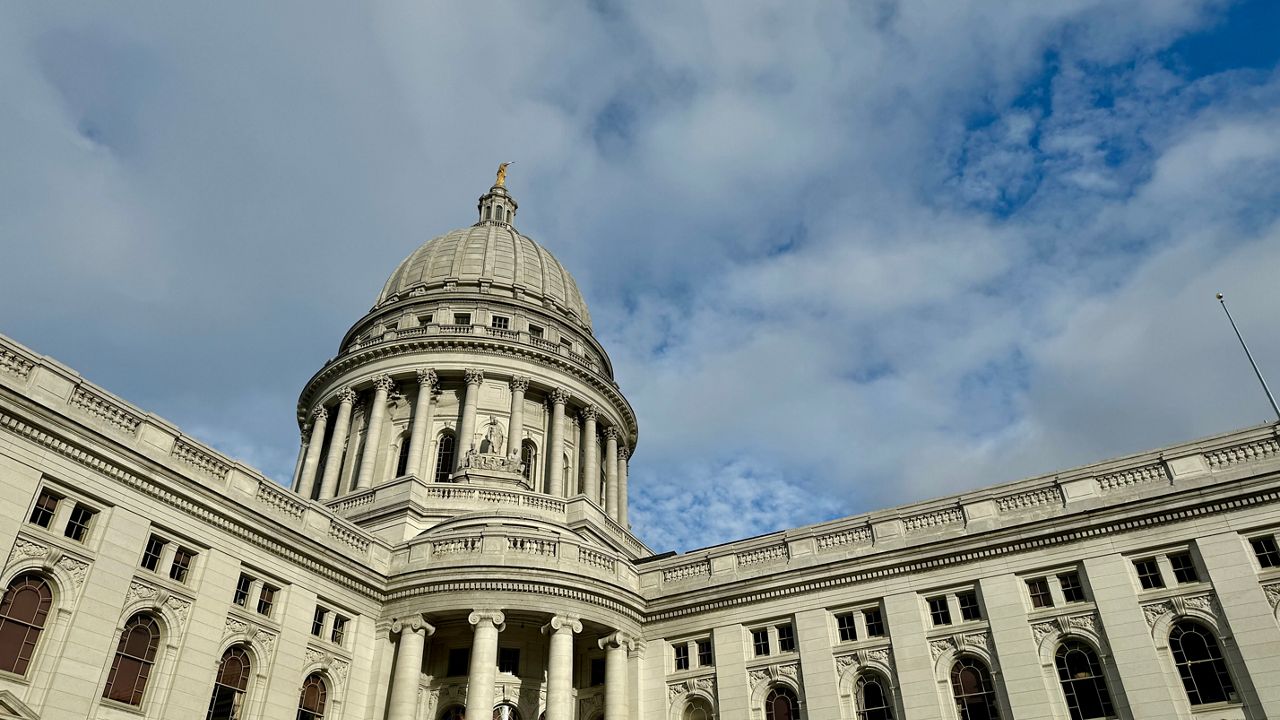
[506, 711]
[1200, 663]
[23, 611]
[781, 704]
[528, 456]
[567, 474]
[135, 654]
[698, 709]
[871, 697]
[444, 457]
[454, 712]
[315, 693]
[974, 692]
[1082, 680]
[402, 462]
[230, 685]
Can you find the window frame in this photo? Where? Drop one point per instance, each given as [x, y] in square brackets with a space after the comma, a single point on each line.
[1272, 552]
[939, 610]
[34, 625]
[79, 528]
[1147, 571]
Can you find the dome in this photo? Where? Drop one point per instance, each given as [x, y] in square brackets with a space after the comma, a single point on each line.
[491, 257]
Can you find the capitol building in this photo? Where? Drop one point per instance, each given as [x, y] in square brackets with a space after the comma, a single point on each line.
[455, 544]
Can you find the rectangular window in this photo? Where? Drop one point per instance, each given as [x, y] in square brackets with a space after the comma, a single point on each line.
[462, 318]
[874, 622]
[535, 331]
[597, 672]
[241, 597]
[1148, 573]
[1072, 590]
[78, 523]
[181, 564]
[969, 609]
[1038, 589]
[266, 599]
[500, 322]
[939, 613]
[846, 627]
[760, 642]
[705, 658]
[425, 319]
[339, 629]
[682, 656]
[786, 638]
[459, 662]
[151, 556]
[1265, 549]
[1184, 569]
[509, 660]
[317, 621]
[42, 513]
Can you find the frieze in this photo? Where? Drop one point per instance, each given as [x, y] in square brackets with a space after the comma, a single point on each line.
[24, 548]
[866, 656]
[1179, 606]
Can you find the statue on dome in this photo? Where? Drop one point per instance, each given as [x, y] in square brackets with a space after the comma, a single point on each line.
[502, 174]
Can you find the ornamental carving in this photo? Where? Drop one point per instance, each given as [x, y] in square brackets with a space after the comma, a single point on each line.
[623, 453]
[959, 643]
[610, 432]
[490, 461]
[346, 395]
[1155, 611]
[337, 667]
[492, 616]
[519, 384]
[384, 383]
[705, 685]
[590, 412]
[1179, 606]
[1273, 594]
[558, 396]
[318, 414]
[844, 662]
[427, 378]
[264, 639]
[75, 568]
[178, 607]
[139, 592]
[24, 548]
[412, 623]
[473, 376]
[773, 672]
[1065, 624]
[564, 622]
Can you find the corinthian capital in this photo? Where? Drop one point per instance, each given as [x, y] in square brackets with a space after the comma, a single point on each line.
[559, 623]
[473, 377]
[623, 452]
[412, 623]
[384, 383]
[346, 395]
[488, 615]
[427, 377]
[558, 396]
[319, 413]
[519, 384]
[589, 412]
[610, 432]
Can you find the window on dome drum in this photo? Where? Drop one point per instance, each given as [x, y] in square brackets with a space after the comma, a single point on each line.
[181, 566]
[782, 704]
[317, 621]
[760, 641]
[705, 656]
[1184, 568]
[339, 632]
[681, 656]
[506, 711]
[243, 584]
[78, 523]
[874, 621]
[597, 672]
[462, 318]
[315, 694]
[1083, 684]
[46, 505]
[444, 457]
[698, 709]
[973, 690]
[567, 343]
[266, 600]
[786, 638]
[426, 319]
[871, 697]
[23, 611]
[529, 457]
[1266, 550]
[229, 685]
[1038, 589]
[402, 458]
[939, 613]
[459, 662]
[509, 660]
[846, 627]
[969, 609]
[151, 556]
[135, 655]
[1200, 664]
[535, 331]
[1148, 573]
[1072, 590]
[500, 322]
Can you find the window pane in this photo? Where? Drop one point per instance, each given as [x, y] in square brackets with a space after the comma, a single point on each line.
[681, 656]
[846, 627]
[705, 657]
[973, 691]
[1148, 574]
[135, 654]
[78, 523]
[969, 609]
[242, 590]
[181, 564]
[786, 638]
[1072, 590]
[1038, 589]
[315, 694]
[1266, 550]
[444, 458]
[1083, 683]
[151, 557]
[874, 622]
[939, 613]
[1200, 664]
[42, 513]
[317, 621]
[760, 642]
[1184, 570]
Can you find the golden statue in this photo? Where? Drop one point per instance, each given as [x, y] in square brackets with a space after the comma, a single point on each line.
[502, 174]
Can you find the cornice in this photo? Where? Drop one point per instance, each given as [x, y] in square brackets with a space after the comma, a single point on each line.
[531, 587]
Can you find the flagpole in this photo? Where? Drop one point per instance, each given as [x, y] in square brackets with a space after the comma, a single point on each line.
[1275, 408]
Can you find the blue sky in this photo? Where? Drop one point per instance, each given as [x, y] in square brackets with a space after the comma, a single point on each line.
[844, 256]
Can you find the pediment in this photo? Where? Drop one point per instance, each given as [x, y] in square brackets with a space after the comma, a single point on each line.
[11, 708]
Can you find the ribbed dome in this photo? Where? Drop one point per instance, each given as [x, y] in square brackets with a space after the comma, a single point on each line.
[487, 254]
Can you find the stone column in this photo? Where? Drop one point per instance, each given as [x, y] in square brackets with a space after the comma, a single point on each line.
[403, 702]
[616, 678]
[319, 421]
[302, 455]
[590, 464]
[484, 661]
[382, 387]
[560, 666]
[555, 444]
[610, 500]
[337, 444]
[423, 409]
[467, 424]
[515, 432]
[620, 514]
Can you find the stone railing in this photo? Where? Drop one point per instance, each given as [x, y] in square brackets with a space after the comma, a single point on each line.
[933, 519]
[493, 496]
[757, 556]
[701, 568]
[1134, 476]
[350, 536]
[1030, 499]
[532, 545]
[358, 499]
[15, 364]
[200, 459]
[105, 410]
[457, 545]
[279, 499]
[1248, 452]
[595, 558]
[503, 333]
[844, 537]
[543, 343]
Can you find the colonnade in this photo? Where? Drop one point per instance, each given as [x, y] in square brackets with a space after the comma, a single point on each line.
[487, 624]
[614, 458]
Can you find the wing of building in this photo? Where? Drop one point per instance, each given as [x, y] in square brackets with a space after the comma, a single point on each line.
[455, 544]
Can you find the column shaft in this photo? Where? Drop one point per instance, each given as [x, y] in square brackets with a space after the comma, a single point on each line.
[560, 667]
[337, 444]
[403, 702]
[297, 466]
[615, 676]
[484, 662]
[590, 464]
[621, 514]
[382, 387]
[555, 444]
[515, 432]
[610, 470]
[319, 422]
[423, 409]
[467, 423]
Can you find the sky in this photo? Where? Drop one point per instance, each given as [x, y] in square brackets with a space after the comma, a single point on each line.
[844, 256]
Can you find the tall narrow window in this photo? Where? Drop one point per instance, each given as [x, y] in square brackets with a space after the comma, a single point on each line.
[1148, 573]
[267, 600]
[705, 657]
[1083, 683]
[151, 556]
[1184, 568]
[846, 627]
[135, 654]
[760, 641]
[974, 692]
[229, 685]
[786, 638]
[402, 460]
[444, 457]
[969, 608]
[682, 656]
[315, 693]
[1200, 664]
[871, 695]
[781, 704]
[874, 621]
[339, 632]
[243, 584]
[317, 621]
[23, 611]
[529, 459]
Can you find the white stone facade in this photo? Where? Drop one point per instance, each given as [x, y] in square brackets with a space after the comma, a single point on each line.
[409, 584]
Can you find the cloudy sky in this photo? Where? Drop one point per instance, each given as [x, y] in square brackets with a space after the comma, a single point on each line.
[844, 255]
